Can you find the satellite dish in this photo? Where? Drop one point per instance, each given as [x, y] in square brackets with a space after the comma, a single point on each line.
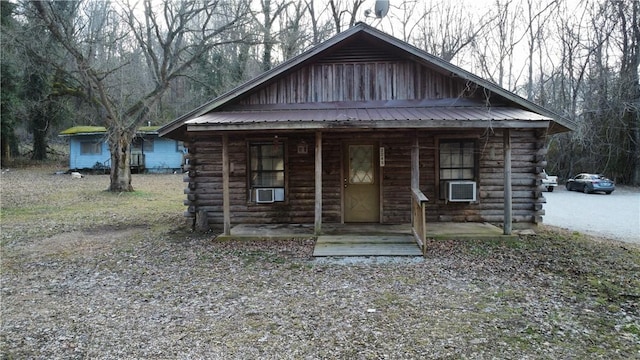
[381, 8]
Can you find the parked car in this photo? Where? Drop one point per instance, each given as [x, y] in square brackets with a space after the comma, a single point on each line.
[589, 183]
[549, 181]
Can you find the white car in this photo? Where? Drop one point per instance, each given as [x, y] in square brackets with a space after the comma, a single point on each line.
[549, 181]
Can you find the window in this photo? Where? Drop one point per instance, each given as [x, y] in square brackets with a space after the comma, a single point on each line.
[91, 148]
[361, 169]
[266, 169]
[142, 145]
[457, 162]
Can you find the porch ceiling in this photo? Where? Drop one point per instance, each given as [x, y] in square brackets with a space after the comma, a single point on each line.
[356, 116]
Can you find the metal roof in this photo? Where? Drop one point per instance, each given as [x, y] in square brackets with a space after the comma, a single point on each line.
[101, 130]
[353, 117]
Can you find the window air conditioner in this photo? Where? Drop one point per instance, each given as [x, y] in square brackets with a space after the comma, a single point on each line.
[461, 191]
[265, 196]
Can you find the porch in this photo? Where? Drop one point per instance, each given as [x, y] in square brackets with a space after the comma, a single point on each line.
[367, 239]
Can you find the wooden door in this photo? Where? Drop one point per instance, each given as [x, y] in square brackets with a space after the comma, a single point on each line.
[361, 185]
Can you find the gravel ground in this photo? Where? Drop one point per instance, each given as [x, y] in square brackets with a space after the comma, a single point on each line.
[615, 216]
[139, 285]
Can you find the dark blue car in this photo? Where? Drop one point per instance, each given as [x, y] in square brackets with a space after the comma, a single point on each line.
[590, 183]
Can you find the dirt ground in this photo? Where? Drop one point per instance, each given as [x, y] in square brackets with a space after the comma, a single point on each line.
[90, 274]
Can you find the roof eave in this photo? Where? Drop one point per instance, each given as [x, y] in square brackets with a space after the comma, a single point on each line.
[83, 134]
[371, 125]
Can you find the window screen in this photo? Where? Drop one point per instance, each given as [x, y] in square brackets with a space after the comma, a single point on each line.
[457, 162]
[140, 144]
[266, 163]
[91, 148]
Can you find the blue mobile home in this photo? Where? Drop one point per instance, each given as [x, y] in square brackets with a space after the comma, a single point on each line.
[89, 150]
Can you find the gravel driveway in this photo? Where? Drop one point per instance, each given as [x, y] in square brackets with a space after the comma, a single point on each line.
[615, 216]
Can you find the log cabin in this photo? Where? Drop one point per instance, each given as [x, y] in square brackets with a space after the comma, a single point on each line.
[365, 128]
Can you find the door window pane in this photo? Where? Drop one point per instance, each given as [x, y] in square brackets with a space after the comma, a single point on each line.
[361, 169]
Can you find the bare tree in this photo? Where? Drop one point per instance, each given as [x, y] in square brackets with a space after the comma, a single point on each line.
[320, 29]
[409, 15]
[266, 20]
[294, 36]
[595, 83]
[344, 13]
[166, 37]
[537, 15]
[612, 92]
[446, 28]
[9, 89]
[495, 50]
[629, 85]
[565, 84]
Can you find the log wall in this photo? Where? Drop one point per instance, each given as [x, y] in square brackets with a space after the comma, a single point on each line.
[204, 178]
[528, 154]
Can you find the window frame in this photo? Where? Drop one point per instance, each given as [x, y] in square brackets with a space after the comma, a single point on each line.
[373, 170]
[96, 145]
[180, 147]
[475, 169]
[141, 144]
[251, 189]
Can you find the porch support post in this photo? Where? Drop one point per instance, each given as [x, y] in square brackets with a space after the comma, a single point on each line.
[226, 206]
[507, 182]
[415, 174]
[318, 177]
[415, 163]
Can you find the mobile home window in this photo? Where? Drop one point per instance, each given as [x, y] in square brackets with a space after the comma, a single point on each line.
[90, 148]
[267, 169]
[457, 162]
[142, 145]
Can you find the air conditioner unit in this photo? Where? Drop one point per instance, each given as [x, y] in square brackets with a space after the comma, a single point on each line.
[265, 196]
[461, 191]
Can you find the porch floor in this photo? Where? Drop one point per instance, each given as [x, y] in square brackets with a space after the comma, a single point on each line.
[367, 239]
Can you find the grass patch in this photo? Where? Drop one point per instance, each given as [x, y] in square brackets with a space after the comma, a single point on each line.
[606, 271]
[603, 274]
[633, 329]
[486, 247]
[40, 197]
